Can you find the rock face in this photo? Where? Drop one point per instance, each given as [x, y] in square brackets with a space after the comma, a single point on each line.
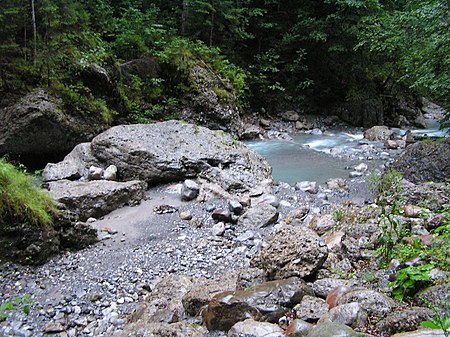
[213, 104]
[293, 251]
[172, 151]
[425, 161]
[37, 130]
[366, 113]
[96, 198]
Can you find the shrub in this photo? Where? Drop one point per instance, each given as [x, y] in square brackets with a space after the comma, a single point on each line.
[21, 201]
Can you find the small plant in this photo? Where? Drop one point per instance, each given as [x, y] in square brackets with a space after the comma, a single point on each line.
[438, 321]
[339, 214]
[409, 280]
[23, 302]
[389, 196]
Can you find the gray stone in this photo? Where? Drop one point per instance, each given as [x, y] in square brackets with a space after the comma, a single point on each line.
[299, 328]
[110, 173]
[96, 198]
[235, 206]
[407, 319]
[222, 215]
[265, 123]
[423, 162]
[322, 287]
[189, 190]
[95, 173]
[372, 301]
[322, 223]
[333, 330]
[261, 215]
[269, 199]
[290, 116]
[143, 328]
[378, 133]
[363, 113]
[307, 186]
[264, 302]
[422, 333]
[438, 296]
[172, 150]
[251, 132]
[337, 184]
[351, 314]
[311, 308]
[251, 328]
[293, 251]
[218, 229]
[74, 165]
[37, 129]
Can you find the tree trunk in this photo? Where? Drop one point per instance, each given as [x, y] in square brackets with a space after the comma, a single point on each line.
[184, 17]
[33, 25]
[211, 31]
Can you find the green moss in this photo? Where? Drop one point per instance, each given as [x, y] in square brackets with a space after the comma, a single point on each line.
[222, 95]
[21, 201]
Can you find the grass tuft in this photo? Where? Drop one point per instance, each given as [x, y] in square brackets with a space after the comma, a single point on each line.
[21, 201]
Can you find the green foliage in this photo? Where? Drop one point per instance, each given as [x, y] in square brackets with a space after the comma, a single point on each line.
[22, 302]
[21, 201]
[409, 281]
[338, 214]
[388, 190]
[438, 321]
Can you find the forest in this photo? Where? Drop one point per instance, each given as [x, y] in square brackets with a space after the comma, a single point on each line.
[271, 53]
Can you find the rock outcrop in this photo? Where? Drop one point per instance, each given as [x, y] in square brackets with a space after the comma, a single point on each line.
[37, 129]
[425, 161]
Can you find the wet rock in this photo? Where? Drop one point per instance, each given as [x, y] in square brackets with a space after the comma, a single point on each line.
[189, 190]
[351, 314]
[335, 295]
[299, 328]
[251, 328]
[333, 330]
[293, 251]
[265, 302]
[261, 215]
[422, 162]
[251, 132]
[96, 198]
[362, 113]
[372, 301]
[378, 133]
[408, 319]
[311, 308]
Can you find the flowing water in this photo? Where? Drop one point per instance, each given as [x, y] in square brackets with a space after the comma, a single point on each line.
[307, 155]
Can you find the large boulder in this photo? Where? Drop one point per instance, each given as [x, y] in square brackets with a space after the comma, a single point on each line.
[293, 251]
[173, 151]
[425, 161]
[96, 198]
[378, 133]
[37, 129]
[268, 301]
